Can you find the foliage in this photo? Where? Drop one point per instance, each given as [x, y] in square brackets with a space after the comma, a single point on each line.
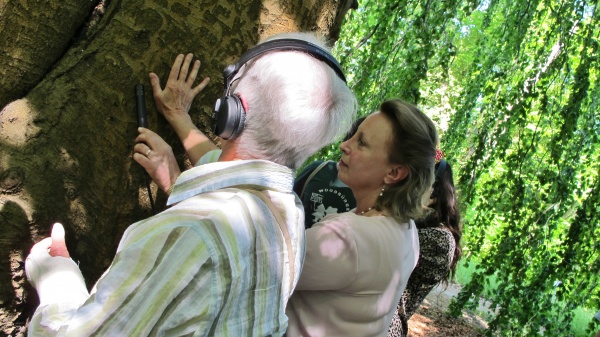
[518, 82]
[380, 64]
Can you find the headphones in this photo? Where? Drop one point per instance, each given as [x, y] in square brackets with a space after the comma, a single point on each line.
[229, 114]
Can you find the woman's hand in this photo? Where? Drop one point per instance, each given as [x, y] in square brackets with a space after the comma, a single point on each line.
[175, 100]
[156, 157]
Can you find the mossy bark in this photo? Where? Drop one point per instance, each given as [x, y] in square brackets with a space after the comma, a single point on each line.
[66, 141]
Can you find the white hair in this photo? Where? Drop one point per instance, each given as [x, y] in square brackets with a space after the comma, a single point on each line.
[296, 104]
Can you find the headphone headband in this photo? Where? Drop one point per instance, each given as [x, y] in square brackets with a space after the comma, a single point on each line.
[229, 115]
[283, 45]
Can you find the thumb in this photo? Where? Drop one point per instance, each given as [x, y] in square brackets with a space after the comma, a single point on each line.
[59, 247]
[155, 83]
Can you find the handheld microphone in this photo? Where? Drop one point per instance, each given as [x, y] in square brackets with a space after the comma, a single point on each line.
[141, 105]
[143, 122]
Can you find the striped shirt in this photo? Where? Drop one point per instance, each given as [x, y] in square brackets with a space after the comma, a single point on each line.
[209, 157]
[214, 264]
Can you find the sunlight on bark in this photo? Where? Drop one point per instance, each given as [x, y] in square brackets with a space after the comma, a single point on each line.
[16, 123]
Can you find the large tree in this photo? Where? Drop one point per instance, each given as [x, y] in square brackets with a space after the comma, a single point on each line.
[68, 123]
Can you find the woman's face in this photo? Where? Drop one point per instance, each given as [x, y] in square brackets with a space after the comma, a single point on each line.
[364, 163]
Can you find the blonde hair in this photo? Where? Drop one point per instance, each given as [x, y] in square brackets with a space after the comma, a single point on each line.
[413, 145]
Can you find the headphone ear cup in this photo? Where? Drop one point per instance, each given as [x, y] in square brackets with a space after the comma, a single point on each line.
[229, 117]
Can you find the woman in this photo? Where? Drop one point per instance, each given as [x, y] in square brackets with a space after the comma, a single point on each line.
[321, 191]
[358, 263]
[439, 239]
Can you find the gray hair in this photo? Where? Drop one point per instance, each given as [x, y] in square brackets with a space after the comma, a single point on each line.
[413, 145]
[296, 105]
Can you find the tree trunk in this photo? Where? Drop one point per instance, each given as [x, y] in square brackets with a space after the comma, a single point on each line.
[66, 146]
[34, 36]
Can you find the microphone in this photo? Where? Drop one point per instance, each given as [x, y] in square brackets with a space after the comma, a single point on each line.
[143, 122]
[141, 105]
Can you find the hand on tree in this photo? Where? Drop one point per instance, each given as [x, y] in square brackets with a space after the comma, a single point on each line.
[175, 100]
[174, 103]
[156, 157]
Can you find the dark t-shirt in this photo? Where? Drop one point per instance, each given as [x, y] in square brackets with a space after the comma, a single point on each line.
[324, 193]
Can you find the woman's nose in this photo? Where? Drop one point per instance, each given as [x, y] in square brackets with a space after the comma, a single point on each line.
[344, 147]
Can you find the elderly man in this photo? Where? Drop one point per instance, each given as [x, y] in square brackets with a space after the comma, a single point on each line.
[225, 257]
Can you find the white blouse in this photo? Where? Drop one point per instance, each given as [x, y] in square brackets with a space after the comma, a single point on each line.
[355, 270]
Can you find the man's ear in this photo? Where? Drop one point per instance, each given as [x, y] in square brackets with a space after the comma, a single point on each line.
[397, 173]
[244, 102]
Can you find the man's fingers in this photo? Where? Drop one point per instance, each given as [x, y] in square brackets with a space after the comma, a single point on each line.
[192, 77]
[183, 73]
[142, 160]
[146, 136]
[141, 137]
[200, 86]
[58, 232]
[142, 149]
[59, 247]
[175, 68]
[155, 82]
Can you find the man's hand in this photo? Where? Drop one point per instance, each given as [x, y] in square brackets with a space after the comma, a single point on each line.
[58, 247]
[156, 157]
[54, 245]
[41, 261]
[175, 100]
[52, 273]
[174, 103]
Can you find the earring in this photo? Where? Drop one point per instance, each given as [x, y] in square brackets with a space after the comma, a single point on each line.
[382, 190]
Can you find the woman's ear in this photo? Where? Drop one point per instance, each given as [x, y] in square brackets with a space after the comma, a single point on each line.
[396, 174]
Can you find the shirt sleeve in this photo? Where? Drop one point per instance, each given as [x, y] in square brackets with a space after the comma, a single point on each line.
[437, 249]
[209, 157]
[150, 278]
[56, 278]
[331, 260]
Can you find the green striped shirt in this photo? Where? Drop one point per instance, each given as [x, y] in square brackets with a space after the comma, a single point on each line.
[214, 264]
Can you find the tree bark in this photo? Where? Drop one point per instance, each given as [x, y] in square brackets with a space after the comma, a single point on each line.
[66, 146]
[34, 36]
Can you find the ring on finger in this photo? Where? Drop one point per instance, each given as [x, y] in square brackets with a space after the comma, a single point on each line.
[147, 152]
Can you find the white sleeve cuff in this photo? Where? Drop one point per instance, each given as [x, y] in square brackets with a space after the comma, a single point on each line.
[57, 279]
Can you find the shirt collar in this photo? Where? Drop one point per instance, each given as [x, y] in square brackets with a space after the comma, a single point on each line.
[209, 177]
